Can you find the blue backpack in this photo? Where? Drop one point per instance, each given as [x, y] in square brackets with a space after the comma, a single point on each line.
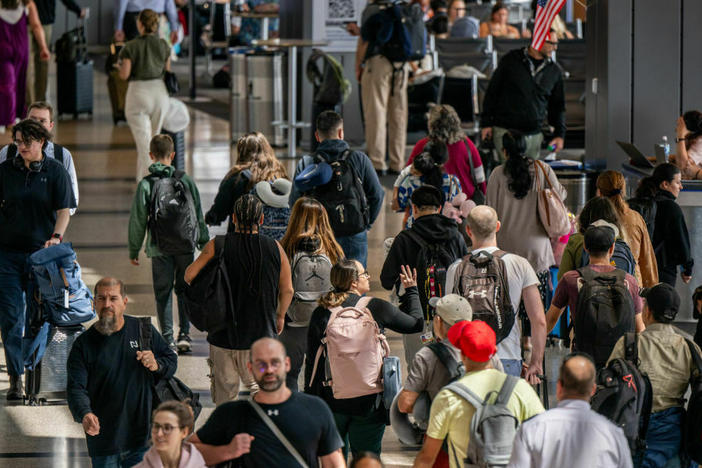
[60, 293]
[400, 32]
[622, 257]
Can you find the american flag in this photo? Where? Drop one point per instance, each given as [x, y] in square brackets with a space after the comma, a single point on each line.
[546, 11]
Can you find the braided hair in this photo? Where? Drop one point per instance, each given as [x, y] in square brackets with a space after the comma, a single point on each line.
[248, 210]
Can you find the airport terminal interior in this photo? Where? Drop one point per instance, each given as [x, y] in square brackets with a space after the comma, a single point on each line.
[622, 83]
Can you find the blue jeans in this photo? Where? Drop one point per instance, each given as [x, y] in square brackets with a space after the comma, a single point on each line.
[167, 270]
[663, 440]
[14, 275]
[125, 459]
[355, 247]
[512, 366]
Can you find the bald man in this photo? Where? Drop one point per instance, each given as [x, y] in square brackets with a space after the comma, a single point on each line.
[236, 430]
[522, 282]
[572, 434]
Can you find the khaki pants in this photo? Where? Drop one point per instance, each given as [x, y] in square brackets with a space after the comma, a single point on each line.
[37, 70]
[145, 107]
[227, 366]
[385, 110]
[533, 143]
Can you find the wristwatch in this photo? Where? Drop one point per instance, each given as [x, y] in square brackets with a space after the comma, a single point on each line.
[678, 140]
[58, 236]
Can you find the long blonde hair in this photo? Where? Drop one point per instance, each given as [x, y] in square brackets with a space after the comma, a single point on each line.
[256, 154]
[309, 219]
[342, 276]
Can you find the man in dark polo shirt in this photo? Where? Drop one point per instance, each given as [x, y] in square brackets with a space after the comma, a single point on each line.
[35, 202]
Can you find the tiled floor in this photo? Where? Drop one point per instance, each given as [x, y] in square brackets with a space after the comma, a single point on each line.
[105, 159]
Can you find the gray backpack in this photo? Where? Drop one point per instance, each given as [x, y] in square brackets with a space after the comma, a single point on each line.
[493, 426]
[310, 279]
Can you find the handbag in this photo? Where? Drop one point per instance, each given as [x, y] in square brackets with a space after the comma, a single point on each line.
[279, 435]
[552, 212]
[171, 81]
[478, 195]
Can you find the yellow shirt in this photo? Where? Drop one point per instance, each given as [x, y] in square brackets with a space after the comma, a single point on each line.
[666, 359]
[451, 415]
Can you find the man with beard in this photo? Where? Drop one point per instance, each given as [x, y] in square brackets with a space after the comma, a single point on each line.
[110, 380]
[236, 430]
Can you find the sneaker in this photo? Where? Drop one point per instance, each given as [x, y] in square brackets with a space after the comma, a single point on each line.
[184, 343]
[15, 391]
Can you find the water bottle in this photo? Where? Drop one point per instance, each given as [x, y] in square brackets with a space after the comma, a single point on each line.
[666, 147]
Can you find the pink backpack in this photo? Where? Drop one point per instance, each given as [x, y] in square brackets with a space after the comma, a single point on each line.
[354, 349]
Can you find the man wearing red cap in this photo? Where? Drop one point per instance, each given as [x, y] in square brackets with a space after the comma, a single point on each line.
[451, 414]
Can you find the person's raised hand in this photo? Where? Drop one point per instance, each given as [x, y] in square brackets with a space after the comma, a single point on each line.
[681, 130]
[408, 276]
[240, 444]
[91, 424]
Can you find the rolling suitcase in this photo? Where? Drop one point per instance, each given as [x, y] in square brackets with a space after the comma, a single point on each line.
[46, 382]
[116, 87]
[179, 148]
[74, 74]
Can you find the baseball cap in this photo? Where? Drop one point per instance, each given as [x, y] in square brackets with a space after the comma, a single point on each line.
[663, 301]
[452, 308]
[313, 176]
[476, 340]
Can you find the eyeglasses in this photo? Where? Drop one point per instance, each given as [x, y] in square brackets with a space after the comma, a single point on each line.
[25, 141]
[166, 428]
[365, 274]
[262, 366]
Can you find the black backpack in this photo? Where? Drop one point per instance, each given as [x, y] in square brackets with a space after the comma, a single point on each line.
[401, 34]
[622, 257]
[604, 313]
[624, 395]
[58, 152]
[71, 47]
[433, 260]
[455, 368]
[172, 217]
[692, 427]
[343, 197]
[208, 298]
[647, 208]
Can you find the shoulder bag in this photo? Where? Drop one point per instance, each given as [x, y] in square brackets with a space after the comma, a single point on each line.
[279, 435]
[552, 211]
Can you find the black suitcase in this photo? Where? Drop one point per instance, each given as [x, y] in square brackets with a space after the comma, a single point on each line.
[47, 382]
[74, 84]
[179, 148]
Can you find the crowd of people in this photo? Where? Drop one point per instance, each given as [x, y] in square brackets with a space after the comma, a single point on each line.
[299, 361]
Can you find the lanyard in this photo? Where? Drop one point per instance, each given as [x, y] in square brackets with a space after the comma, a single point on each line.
[535, 71]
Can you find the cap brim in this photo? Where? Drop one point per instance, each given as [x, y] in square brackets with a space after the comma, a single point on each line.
[433, 301]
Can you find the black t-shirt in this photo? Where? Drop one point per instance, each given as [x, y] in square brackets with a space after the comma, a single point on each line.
[253, 265]
[305, 421]
[105, 378]
[28, 203]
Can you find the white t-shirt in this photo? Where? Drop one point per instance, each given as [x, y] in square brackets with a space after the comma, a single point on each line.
[13, 16]
[520, 275]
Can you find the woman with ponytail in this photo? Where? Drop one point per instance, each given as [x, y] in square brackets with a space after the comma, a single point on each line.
[261, 291]
[361, 420]
[688, 156]
[427, 169]
[611, 184]
[513, 191]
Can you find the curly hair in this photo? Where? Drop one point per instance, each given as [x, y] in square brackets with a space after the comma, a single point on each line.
[445, 125]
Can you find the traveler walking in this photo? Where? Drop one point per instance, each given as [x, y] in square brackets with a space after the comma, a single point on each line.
[256, 162]
[34, 213]
[344, 182]
[43, 112]
[172, 422]
[261, 288]
[127, 13]
[14, 18]
[166, 207]
[276, 427]
[312, 250]
[463, 158]
[671, 239]
[604, 301]
[513, 191]
[452, 411]
[571, 434]
[525, 90]
[611, 184]
[143, 61]
[384, 97]
[360, 418]
[665, 357]
[111, 379]
[430, 246]
[513, 280]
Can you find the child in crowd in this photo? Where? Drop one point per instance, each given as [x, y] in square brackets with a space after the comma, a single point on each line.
[173, 234]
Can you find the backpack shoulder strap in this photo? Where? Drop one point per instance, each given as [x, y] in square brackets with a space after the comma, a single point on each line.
[11, 151]
[506, 390]
[363, 302]
[465, 393]
[447, 360]
[631, 347]
[145, 333]
[695, 355]
[178, 174]
[58, 152]
[278, 434]
[586, 273]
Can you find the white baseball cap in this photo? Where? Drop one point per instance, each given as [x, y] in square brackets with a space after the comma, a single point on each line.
[452, 308]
